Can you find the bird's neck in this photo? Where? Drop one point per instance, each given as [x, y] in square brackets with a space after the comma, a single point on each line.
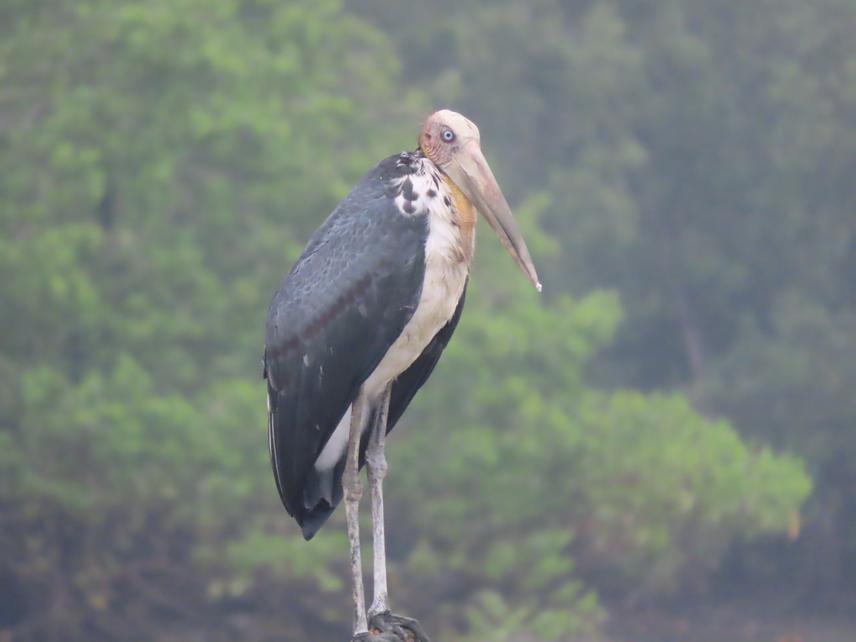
[464, 214]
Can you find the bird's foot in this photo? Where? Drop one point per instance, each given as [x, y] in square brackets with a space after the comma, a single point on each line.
[376, 636]
[390, 627]
[371, 637]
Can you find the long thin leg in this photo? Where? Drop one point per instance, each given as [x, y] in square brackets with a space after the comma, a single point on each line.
[376, 463]
[353, 491]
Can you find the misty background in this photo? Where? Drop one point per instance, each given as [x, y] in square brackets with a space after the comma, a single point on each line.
[660, 447]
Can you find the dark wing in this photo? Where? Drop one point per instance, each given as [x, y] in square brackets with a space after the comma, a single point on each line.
[335, 315]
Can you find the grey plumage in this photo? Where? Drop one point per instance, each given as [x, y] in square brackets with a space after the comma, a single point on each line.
[337, 312]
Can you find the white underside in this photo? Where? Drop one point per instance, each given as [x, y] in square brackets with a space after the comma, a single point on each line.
[445, 277]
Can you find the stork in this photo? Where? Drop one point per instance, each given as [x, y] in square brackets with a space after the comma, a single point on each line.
[359, 323]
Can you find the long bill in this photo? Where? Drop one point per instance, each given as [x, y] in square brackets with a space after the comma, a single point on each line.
[473, 175]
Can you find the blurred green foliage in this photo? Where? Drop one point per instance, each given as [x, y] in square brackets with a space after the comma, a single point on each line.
[683, 172]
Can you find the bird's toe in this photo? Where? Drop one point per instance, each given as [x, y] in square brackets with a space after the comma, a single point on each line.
[401, 628]
[376, 635]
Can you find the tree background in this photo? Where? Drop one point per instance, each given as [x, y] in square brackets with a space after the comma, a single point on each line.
[672, 423]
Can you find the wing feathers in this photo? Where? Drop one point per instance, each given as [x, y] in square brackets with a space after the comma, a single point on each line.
[335, 315]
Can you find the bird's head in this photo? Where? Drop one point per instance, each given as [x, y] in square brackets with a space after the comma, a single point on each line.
[452, 143]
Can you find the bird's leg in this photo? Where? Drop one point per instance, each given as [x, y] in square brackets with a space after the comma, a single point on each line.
[385, 625]
[376, 463]
[353, 491]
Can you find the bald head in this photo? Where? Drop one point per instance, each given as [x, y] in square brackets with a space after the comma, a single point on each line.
[444, 133]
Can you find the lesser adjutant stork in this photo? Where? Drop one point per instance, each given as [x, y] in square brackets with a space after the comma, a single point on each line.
[359, 323]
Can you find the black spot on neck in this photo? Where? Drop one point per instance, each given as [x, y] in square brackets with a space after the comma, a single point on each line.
[407, 190]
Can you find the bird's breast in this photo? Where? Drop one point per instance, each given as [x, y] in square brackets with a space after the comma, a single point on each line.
[448, 253]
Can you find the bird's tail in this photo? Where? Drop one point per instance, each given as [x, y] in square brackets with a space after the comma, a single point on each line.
[309, 495]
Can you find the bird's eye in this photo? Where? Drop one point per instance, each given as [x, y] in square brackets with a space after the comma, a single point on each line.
[448, 135]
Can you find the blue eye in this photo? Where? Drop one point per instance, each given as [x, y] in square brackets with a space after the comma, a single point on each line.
[448, 135]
